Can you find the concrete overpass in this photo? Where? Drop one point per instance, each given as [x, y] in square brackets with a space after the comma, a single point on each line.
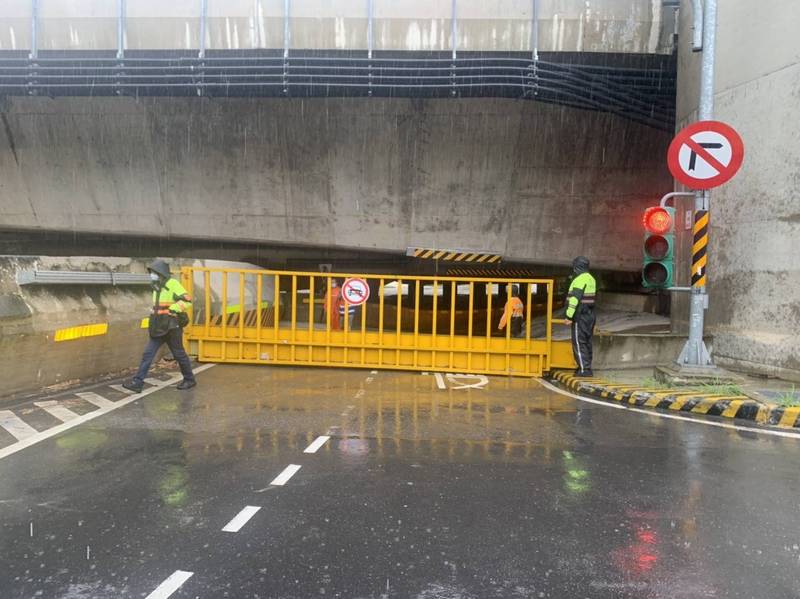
[369, 125]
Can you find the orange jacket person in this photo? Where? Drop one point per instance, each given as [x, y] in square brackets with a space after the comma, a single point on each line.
[513, 310]
[331, 304]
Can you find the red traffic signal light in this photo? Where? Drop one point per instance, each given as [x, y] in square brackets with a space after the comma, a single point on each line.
[657, 220]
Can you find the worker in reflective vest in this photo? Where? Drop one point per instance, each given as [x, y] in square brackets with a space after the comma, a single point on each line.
[331, 304]
[513, 311]
[580, 313]
[167, 319]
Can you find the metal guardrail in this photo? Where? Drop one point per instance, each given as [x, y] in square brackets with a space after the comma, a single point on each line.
[77, 277]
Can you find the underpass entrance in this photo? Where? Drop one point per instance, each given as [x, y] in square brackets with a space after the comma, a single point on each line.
[443, 324]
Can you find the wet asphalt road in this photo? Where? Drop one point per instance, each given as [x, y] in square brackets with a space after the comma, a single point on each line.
[502, 489]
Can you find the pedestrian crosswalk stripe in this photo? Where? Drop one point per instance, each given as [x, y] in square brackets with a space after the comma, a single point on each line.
[53, 408]
[16, 425]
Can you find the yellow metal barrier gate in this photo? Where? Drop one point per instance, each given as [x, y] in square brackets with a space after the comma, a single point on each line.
[444, 324]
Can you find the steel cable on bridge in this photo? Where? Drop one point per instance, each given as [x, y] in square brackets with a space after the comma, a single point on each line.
[645, 94]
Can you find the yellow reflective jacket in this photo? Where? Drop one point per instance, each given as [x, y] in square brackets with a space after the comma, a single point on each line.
[171, 298]
[582, 290]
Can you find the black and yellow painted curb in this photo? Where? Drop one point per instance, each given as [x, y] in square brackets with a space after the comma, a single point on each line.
[695, 402]
[453, 255]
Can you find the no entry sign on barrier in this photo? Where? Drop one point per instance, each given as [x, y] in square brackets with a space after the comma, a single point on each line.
[355, 291]
[705, 154]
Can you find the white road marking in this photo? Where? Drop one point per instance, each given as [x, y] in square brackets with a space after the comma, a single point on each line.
[318, 442]
[16, 425]
[94, 398]
[51, 432]
[440, 380]
[122, 389]
[737, 427]
[153, 381]
[241, 518]
[55, 409]
[284, 476]
[170, 585]
[482, 382]
[373, 372]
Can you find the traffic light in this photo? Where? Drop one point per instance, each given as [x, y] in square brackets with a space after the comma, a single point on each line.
[659, 242]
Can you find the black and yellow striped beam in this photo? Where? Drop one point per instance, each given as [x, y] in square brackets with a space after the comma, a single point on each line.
[453, 255]
[699, 248]
[500, 273]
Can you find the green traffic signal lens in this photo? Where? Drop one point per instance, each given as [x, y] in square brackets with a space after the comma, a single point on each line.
[655, 274]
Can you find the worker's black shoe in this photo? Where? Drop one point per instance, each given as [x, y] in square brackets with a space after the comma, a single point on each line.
[133, 386]
[584, 373]
[186, 384]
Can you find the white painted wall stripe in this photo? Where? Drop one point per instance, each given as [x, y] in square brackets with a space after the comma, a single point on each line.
[318, 442]
[16, 425]
[53, 408]
[94, 398]
[52, 432]
[170, 585]
[241, 518]
[284, 476]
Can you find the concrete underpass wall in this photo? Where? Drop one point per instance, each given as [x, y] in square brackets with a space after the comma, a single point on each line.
[30, 358]
[753, 270]
[532, 181]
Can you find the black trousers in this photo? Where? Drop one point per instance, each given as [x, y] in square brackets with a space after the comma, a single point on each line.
[174, 340]
[582, 331]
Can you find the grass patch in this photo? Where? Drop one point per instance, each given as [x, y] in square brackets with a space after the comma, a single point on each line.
[718, 389]
[714, 388]
[651, 383]
[787, 399]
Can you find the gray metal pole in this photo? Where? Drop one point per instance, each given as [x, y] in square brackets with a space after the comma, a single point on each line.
[695, 352]
[34, 30]
[287, 32]
[369, 28]
[535, 30]
[454, 27]
[203, 24]
[121, 13]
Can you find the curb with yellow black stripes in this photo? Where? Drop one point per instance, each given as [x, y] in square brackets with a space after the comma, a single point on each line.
[695, 402]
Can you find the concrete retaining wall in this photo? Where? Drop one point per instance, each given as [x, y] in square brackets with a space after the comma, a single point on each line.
[30, 358]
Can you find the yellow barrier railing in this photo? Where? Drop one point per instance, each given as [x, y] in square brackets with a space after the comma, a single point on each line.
[445, 324]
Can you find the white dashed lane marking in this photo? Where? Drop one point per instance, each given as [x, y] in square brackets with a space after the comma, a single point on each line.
[284, 476]
[241, 518]
[318, 442]
[170, 585]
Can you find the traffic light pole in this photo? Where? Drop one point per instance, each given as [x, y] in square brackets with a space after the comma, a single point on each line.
[695, 353]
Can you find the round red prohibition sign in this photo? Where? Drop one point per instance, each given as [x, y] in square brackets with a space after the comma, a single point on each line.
[355, 291]
[705, 154]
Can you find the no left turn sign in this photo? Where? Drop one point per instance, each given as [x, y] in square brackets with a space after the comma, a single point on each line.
[705, 154]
